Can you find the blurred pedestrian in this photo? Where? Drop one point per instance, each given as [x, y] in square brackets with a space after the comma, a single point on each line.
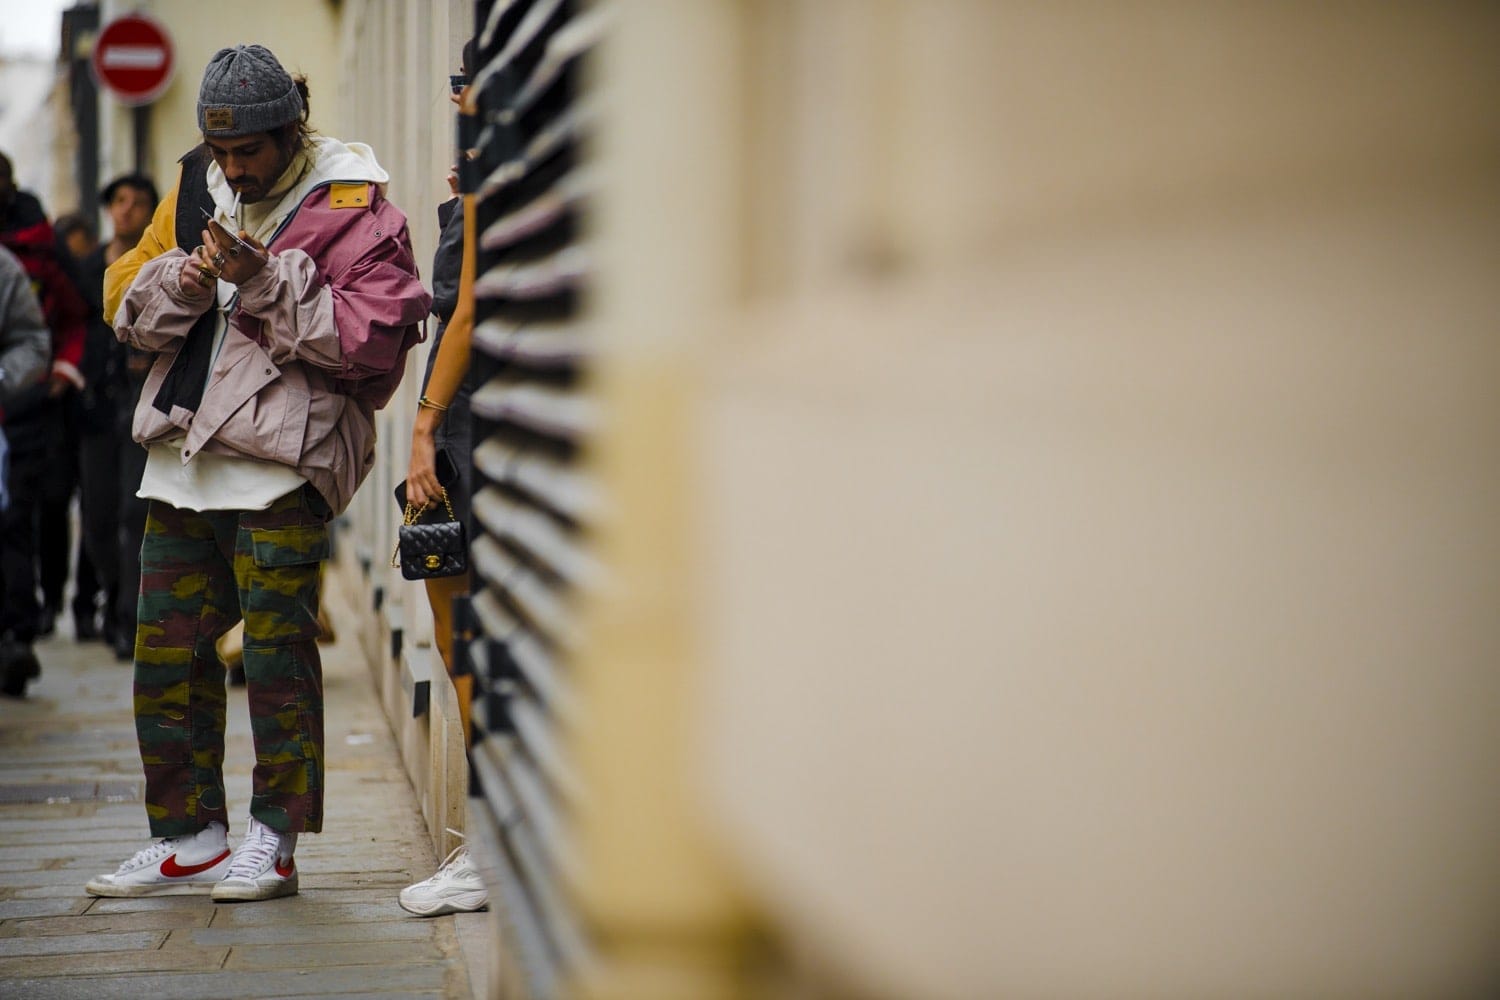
[35, 424]
[278, 328]
[24, 342]
[25, 346]
[110, 462]
[75, 235]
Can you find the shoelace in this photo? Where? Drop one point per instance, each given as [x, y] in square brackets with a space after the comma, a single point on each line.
[451, 859]
[256, 852]
[149, 855]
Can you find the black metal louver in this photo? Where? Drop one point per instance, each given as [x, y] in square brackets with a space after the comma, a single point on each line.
[532, 500]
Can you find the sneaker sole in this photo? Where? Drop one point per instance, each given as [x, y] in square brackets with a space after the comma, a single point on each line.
[128, 891]
[464, 902]
[252, 893]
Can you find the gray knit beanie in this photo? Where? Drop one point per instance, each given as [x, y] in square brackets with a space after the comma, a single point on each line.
[245, 91]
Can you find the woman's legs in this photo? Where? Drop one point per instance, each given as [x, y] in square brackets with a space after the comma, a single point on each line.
[441, 592]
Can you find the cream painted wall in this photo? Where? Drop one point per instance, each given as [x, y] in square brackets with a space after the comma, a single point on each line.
[1052, 453]
[395, 58]
[303, 34]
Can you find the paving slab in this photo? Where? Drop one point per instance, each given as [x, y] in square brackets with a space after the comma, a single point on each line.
[105, 923]
[12, 909]
[73, 944]
[97, 962]
[381, 933]
[70, 784]
[427, 980]
[327, 954]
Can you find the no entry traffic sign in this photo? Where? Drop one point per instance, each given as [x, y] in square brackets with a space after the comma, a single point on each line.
[133, 59]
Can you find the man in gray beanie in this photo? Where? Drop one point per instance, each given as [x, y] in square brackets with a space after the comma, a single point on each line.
[277, 290]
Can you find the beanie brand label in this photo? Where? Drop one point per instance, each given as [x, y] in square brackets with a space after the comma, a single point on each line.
[218, 119]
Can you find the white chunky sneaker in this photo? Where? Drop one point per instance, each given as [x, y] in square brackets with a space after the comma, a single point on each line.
[262, 867]
[193, 863]
[456, 888]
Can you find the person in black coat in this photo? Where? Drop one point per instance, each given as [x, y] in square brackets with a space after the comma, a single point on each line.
[110, 462]
[36, 418]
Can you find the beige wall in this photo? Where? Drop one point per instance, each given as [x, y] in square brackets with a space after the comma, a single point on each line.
[395, 59]
[913, 135]
[302, 33]
[1054, 453]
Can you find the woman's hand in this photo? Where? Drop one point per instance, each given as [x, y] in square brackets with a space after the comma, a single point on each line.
[422, 484]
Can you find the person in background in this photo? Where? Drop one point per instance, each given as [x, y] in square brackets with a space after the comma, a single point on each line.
[75, 235]
[75, 238]
[110, 464]
[442, 422]
[278, 295]
[35, 421]
[25, 346]
[24, 342]
[24, 350]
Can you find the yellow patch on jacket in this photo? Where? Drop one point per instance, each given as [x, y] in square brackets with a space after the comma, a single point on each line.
[348, 196]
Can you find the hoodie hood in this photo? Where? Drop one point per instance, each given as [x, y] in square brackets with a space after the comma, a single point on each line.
[323, 161]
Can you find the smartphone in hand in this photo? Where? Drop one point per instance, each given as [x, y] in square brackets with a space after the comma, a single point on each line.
[222, 235]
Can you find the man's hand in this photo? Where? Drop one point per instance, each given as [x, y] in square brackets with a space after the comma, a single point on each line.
[236, 261]
[197, 277]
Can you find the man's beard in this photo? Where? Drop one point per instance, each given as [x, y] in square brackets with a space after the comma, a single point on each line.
[258, 189]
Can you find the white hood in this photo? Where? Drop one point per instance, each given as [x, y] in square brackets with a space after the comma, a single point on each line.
[325, 159]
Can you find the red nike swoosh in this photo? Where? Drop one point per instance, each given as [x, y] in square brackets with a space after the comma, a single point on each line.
[285, 871]
[171, 869]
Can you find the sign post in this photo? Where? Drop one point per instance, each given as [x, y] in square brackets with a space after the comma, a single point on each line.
[133, 61]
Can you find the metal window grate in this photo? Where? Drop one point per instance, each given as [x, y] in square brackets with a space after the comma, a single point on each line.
[533, 502]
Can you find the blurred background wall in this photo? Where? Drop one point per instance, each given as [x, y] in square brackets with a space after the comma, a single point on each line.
[1051, 460]
[1055, 456]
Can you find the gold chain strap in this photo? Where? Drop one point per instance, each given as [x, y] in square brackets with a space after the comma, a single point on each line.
[413, 514]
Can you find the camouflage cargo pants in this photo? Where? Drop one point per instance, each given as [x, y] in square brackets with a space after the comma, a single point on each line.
[200, 572]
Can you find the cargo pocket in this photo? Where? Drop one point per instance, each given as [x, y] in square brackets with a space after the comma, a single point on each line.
[281, 599]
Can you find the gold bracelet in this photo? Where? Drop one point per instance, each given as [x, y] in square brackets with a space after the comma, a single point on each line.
[424, 401]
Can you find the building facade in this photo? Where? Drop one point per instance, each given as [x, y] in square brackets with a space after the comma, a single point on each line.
[976, 499]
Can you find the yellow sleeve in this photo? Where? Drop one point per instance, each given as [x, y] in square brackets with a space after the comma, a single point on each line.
[158, 238]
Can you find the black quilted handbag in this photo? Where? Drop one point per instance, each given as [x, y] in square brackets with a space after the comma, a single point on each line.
[430, 548]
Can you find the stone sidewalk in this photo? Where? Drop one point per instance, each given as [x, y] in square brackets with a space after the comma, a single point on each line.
[70, 788]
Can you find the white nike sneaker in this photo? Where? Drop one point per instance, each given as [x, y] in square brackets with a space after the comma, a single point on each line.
[262, 867]
[455, 888]
[173, 865]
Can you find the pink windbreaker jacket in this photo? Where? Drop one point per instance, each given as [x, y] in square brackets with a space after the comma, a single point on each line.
[316, 344]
